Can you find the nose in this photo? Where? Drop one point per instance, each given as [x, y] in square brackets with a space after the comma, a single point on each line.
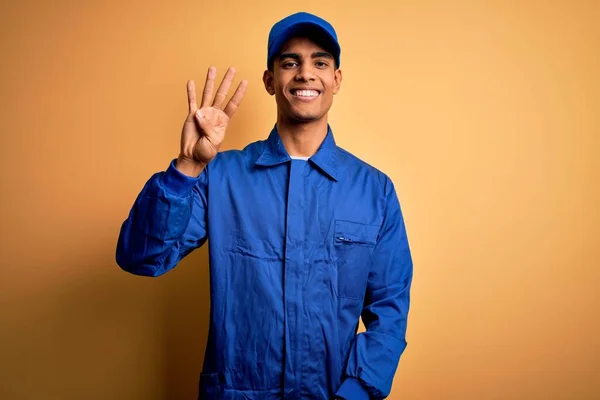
[305, 73]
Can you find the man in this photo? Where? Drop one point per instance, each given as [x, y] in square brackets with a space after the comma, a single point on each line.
[304, 237]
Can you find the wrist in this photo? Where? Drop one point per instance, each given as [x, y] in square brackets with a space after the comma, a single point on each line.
[189, 167]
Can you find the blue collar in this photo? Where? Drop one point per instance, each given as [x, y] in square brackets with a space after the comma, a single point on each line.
[325, 159]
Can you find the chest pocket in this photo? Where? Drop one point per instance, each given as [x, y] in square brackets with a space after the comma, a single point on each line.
[353, 245]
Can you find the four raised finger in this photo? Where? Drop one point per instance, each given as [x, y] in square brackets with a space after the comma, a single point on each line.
[222, 92]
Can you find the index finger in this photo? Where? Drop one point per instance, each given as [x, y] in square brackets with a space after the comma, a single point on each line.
[236, 99]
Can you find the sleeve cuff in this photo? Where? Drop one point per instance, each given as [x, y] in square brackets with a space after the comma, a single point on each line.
[352, 389]
[177, 183]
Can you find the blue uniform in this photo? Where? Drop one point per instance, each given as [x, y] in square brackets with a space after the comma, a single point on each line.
[298, 250]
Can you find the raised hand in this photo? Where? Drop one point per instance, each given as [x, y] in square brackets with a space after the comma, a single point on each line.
[204, 128]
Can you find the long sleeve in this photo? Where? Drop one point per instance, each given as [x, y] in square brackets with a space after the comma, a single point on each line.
[375, 353]
[166, 222]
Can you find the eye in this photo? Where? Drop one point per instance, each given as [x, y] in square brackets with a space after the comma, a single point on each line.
[321, 64]
[289, 64]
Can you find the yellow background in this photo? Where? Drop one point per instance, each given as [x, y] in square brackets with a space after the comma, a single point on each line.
[486, 114]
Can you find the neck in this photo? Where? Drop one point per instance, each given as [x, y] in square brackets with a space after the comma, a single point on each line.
[302, 139]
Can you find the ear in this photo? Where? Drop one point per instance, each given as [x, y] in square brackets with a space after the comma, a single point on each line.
[269, 82]
[337, 80]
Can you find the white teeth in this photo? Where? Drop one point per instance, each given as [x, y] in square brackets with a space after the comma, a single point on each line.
[306, 93]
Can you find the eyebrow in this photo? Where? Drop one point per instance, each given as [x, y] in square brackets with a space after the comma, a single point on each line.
[296, 56]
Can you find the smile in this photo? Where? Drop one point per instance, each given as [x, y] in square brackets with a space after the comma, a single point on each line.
[307, 94]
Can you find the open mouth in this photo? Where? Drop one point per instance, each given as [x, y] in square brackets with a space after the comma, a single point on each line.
[305, 93]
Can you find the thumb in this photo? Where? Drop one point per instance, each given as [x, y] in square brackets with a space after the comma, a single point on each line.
[204, 123]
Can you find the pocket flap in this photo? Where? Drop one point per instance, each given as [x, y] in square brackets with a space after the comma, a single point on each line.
[355, 232]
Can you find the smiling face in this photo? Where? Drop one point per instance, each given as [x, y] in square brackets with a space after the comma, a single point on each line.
[304, 79]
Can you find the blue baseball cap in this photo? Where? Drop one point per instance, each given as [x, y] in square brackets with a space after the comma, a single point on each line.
[304, 24]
